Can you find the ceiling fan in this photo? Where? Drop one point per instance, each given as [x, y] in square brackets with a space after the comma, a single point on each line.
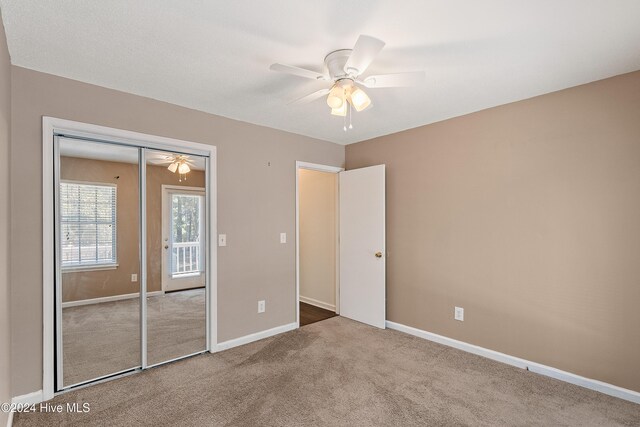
[345, 69]
[176, 163]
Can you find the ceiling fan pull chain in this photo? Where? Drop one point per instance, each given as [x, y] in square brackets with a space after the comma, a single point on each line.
[344, 122]
[350, 114]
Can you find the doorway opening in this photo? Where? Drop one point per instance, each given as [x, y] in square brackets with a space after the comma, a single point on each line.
[317, 243]
[358, 228]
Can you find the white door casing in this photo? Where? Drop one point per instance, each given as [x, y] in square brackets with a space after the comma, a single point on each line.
[192, 256]
[362, 245]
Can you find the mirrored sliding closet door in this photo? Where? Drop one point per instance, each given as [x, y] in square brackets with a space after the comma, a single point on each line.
[131, 249]
[176, 245]
[98, 289]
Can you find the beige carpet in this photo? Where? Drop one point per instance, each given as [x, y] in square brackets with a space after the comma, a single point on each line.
[100, 339]
[339, 373]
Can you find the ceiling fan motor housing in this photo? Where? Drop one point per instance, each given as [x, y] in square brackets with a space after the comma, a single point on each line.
[335, 62]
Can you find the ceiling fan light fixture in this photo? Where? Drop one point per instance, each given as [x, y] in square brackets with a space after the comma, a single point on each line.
[342, 111]
[359, 99]
[173, 167]
[336, 97]
[184, 168]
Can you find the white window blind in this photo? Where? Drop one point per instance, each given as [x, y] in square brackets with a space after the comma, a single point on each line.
[88, 224]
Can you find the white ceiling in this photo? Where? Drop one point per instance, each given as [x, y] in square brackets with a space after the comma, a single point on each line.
[214, 56]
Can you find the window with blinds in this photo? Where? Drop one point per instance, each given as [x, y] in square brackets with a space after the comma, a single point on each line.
[87, 224]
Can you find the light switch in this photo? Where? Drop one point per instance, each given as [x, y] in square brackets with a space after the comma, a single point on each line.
[134, 277]
[222, 240]
[283, 237]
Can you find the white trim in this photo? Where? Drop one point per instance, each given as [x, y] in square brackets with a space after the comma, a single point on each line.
[318, 303]
[108, 299]
[185, 189]
[538, 368]
[165, 277]
[96, 183]
[25, 399]
[51, 126]
[33, 398]
[319, 168]
[256, 336]
[337, 237]
[29, 398]
[90, 267]
[59, 354]
[126, 137]
[142, 244]
[211, 259]
[48, 261]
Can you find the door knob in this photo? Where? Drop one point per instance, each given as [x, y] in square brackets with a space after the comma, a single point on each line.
[378, 254]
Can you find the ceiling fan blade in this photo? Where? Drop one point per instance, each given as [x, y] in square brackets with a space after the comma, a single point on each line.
[394, 80]
[311, 97]
[296, 71]
[159, 161]
[363, 53]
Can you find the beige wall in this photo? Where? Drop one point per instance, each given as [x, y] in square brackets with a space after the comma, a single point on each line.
[256, 201]
[5, 133]
[79, 285]
[317, 207]
[528, 216]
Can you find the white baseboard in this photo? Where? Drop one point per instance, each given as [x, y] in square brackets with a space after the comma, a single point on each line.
[318, 303]
[255, 337]
[29, 398]
[107, 299]
[33, 398]
[538, 368]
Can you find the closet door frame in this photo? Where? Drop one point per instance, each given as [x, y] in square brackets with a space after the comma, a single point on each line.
[51, 129]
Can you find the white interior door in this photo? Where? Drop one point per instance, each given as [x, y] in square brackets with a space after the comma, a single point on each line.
[183, 238]
[362, 245]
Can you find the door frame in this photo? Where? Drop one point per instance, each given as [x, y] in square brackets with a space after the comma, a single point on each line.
[166, 188]
[320, 168]
[52, 127]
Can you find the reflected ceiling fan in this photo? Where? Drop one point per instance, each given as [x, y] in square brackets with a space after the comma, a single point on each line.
[344, 68]
[179, 163]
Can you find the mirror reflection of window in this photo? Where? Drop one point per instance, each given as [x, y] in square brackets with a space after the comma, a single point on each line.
[185, 234]
[88, 224]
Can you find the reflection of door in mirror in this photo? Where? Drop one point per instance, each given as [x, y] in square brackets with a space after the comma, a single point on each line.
[183, 228]
[176, 267]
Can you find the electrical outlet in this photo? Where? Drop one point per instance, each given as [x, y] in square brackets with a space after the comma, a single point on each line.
[458, 314]
[261, 306]
[283, 237]
[222, 240]
[134, 277]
